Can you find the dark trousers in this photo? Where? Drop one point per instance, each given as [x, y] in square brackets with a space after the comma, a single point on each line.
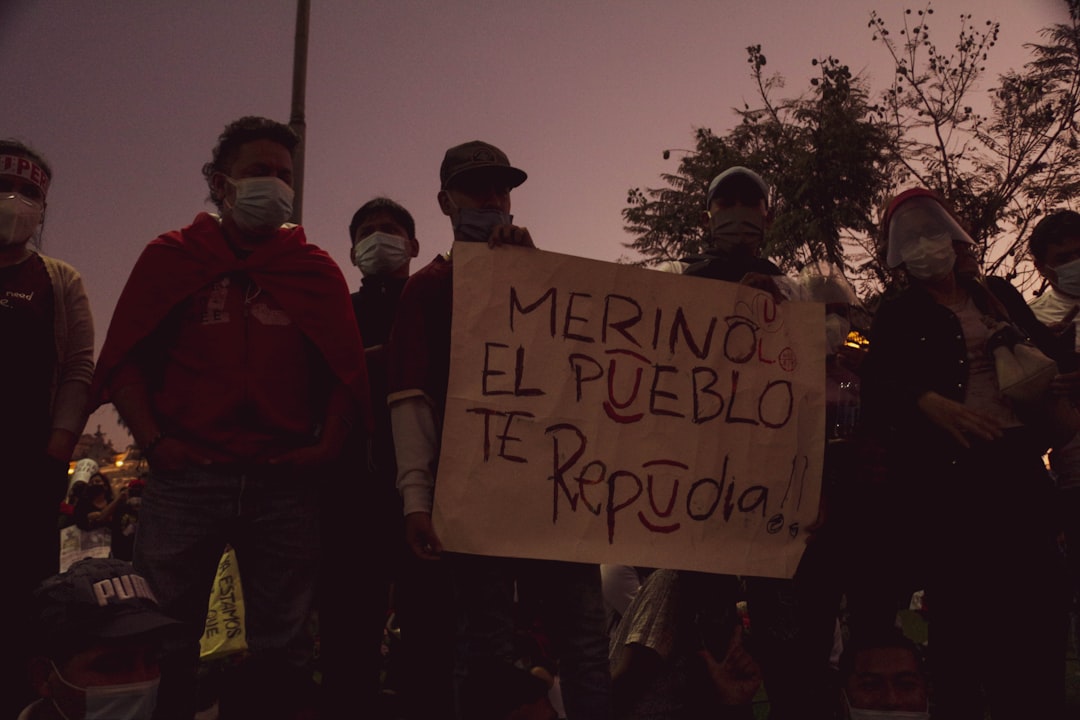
[996, 589]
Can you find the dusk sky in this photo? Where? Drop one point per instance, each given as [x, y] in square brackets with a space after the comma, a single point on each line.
[126, 99]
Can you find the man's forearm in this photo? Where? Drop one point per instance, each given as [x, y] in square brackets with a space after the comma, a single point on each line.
[416, 448]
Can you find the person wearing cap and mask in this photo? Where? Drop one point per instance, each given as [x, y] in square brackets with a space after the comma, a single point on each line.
[974, 504]
[98, 629]
[233, 357]
[735, 218]
[48, 336]
[382, 236]
[476, 180]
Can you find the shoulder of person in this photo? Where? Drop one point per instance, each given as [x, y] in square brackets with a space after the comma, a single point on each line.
[56, 266]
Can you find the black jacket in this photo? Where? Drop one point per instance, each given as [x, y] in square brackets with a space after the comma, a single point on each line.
[917, 346]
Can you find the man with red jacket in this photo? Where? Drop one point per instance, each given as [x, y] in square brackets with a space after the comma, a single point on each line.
[234, 358]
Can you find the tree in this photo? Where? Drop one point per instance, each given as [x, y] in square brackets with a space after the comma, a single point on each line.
[824, 156]
[834, 157]
[1001, 171]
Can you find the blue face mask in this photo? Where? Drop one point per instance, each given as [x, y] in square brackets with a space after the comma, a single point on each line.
[262, 204]
[131, 701]
[380, 253]
[1068, 278]
[476, 225]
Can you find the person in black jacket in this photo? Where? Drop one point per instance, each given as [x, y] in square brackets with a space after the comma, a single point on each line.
[973, 503]
[736, 217]
[794, 618]
[382, 235]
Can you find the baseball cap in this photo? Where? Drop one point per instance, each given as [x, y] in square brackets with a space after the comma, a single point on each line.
[477, 159]
[97, 599]
[741, 175]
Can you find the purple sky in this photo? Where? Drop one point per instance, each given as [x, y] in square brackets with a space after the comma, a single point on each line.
[126, 99]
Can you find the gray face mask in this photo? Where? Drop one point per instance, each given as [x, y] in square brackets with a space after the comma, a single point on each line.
[737, 228]
[380, 253]
[262, 205]
[477, 224]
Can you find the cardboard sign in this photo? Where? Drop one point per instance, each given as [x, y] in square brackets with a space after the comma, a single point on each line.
[604, 413]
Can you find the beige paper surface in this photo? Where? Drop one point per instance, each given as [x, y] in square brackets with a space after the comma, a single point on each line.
[604, 413]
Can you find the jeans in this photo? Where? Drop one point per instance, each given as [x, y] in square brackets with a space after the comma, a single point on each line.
[269, 516]
[568, 598]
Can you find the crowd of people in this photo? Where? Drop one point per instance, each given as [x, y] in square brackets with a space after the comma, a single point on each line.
[263, 393]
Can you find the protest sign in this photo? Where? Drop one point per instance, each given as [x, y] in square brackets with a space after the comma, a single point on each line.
[77, 544]
[605, 413]
[224, 632]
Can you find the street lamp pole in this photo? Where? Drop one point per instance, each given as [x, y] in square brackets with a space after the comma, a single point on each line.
[296, 117]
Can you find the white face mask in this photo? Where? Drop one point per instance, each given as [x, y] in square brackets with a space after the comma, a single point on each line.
[837, 328]
[380, 253]
[737, 227]
[854, 713]
[131, 701]
[929, 258]
[1068, 278]
[262, 204]
[19, 217]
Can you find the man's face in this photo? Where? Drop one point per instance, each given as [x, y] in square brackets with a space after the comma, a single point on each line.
[736, 225]
[475, 194]
[255, 159]
[120, 663]
[260, 219]
[1058, 254]
[384, 222]
[887, 679]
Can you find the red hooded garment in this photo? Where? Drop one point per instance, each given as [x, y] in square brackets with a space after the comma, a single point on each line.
[302, 279]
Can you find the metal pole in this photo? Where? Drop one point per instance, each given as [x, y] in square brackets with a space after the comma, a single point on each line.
[296, 118]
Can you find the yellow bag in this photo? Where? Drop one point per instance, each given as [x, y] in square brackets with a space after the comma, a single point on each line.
[224, 633]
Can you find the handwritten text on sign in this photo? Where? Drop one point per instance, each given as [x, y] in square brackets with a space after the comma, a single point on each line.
[604, 413]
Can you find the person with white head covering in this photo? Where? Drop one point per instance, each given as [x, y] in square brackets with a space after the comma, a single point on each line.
[970, 502]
